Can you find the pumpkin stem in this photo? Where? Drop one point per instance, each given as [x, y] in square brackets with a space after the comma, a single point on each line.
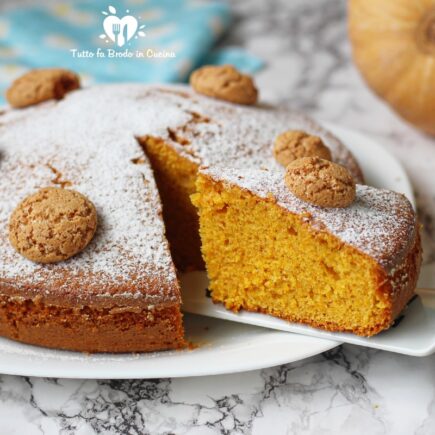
[426, 32]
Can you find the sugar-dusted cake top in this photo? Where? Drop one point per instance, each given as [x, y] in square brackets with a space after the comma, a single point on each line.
[210, 131]
[380, 223]
[87, 141]
[204, 130]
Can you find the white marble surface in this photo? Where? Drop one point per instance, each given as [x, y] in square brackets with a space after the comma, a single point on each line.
[348, 390]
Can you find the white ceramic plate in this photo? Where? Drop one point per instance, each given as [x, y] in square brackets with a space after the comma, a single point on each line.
[223, 347]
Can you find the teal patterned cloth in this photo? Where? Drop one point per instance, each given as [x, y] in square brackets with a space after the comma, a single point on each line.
[47, 35]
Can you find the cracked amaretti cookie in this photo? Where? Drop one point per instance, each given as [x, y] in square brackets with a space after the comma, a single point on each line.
[117, 145]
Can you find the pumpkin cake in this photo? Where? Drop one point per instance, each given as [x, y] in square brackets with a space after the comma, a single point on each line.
[121, 293]
[341, 269]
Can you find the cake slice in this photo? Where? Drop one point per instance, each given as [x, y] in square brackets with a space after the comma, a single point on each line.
[351, 269]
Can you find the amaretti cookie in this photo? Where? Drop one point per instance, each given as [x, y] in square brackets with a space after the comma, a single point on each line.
[40, 85]
[52, 225]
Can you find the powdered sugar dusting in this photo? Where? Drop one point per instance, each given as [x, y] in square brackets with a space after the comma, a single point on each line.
[88, 140]
[231, 135]
[380, 223]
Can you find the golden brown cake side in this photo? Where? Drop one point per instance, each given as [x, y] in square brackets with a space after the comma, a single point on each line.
[114, 320]
[352, 269]
[402, 280]
[89, 329]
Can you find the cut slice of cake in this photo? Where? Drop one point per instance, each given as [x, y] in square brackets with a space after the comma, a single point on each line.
[350, 269]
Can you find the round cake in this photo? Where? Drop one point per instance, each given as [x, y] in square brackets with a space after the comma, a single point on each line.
[135, 151]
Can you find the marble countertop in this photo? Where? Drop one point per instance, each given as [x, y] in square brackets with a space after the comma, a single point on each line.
[346, 390]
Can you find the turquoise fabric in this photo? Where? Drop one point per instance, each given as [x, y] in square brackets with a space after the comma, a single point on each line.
[45, 35]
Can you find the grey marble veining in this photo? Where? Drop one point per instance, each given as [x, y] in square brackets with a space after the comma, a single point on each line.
[348, 390]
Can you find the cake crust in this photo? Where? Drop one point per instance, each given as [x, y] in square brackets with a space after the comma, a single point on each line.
[91, 329]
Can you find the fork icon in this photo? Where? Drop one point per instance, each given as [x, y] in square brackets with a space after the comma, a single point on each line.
[116, 29]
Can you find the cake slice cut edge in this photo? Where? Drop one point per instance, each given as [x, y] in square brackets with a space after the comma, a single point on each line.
[349, 270]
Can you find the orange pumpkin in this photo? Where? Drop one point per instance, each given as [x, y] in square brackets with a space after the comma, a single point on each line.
[393, 45]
